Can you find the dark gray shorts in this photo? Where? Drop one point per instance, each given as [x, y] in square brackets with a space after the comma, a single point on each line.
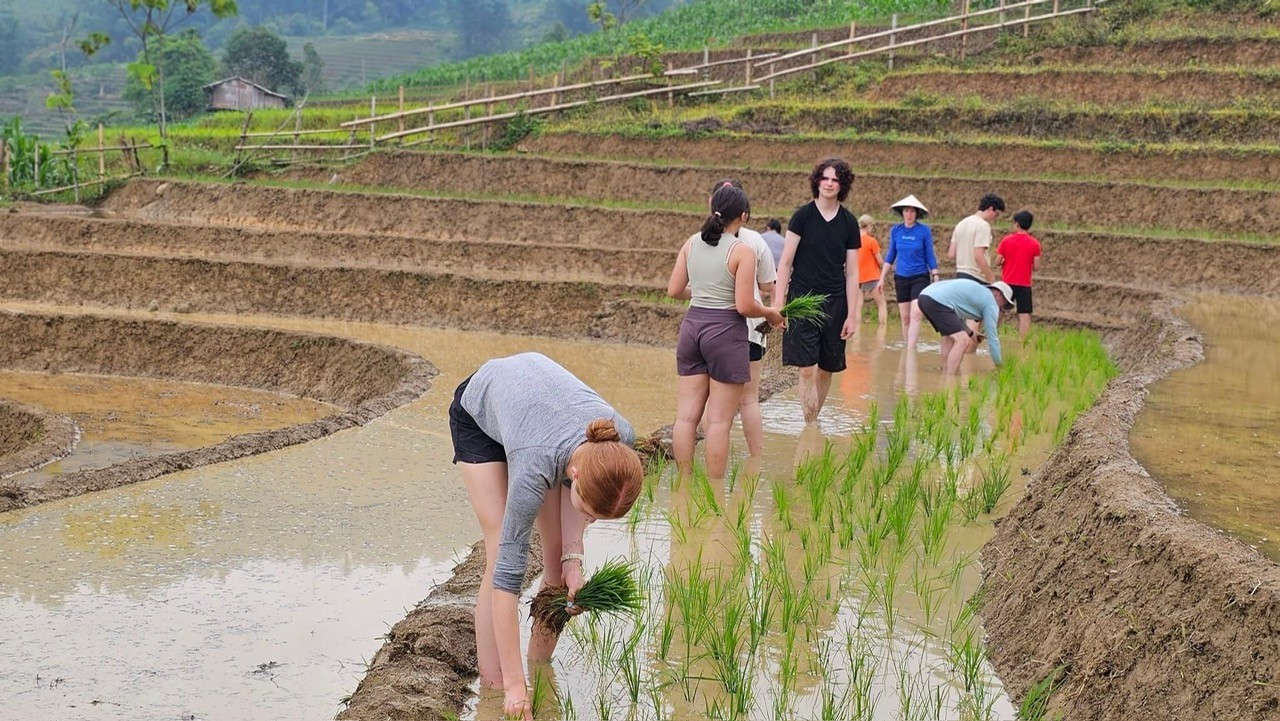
[943, 318]
[713, 341]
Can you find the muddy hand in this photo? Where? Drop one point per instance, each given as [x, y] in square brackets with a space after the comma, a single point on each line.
[517, 706]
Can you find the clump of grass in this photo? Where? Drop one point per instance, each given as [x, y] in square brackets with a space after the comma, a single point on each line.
[611, 590]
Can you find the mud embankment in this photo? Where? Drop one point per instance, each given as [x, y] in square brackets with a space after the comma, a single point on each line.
[1145, 612]
[1221, 211]
[363, 380]
[918, 156]
[32, 437]
[1223, 51]
[1194, 87]
[1033, 121]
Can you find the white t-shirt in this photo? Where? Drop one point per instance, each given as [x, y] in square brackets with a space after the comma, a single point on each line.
[971, 236]
[766, 272]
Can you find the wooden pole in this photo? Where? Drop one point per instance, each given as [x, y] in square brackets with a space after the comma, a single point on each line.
[771, 81]
[1026, 26]
[964, 29]
[373, 113]
[102, 155]
[853, 30]
[893, 25]
[297, 132]
[402, 108]
[814, 46]
[1055, 7]
[1002, 3]
[555, 97]
[748, 63]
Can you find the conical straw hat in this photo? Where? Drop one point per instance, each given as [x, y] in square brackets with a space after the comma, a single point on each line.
[910, 202]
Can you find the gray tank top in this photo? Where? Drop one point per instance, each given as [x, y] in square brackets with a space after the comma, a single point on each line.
[710, 281]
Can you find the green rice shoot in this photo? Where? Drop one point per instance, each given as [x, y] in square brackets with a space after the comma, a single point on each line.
[612, 589]
[805, 308]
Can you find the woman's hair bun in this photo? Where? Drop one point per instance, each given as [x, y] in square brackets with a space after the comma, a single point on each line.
[602, 430]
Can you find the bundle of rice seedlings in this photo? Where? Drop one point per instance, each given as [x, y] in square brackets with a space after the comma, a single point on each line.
[805, 308]
[611, 589]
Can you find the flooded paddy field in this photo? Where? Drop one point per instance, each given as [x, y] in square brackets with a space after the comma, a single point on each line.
[1211, 432]
[263, 584]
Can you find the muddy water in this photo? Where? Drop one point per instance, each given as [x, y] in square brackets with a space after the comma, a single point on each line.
[256, 589]
[1211, 433]
[123, 418]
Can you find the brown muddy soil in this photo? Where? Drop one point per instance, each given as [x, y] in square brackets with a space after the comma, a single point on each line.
[1075, 203]
[31, 437]
[363, 380]
[918, 156]
[260, 207]
[27, 231]
[1194, 87]
[1031, 121]
[1199, 52]
[1148, 614]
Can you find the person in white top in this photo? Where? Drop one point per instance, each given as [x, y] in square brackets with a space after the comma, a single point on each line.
[972, 237]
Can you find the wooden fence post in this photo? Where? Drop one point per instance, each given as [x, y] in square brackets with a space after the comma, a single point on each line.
[964, 30]
[771, 81]
[748, 63]
[814, 73]
[706, 60]
[1026, 24]
[1002, 3]
[402, 108]
[373, 126]
[853, 30]
[102, 156]
[893, 37]
[1055, 7]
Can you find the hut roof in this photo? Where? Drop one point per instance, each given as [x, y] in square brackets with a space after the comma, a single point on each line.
[215, 84]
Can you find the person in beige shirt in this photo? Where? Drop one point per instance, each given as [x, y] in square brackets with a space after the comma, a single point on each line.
[972, 237]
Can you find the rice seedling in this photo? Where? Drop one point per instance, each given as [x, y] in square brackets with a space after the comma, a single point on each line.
[805, 308]
[995, 481]
[612, 589]
[1035, 704]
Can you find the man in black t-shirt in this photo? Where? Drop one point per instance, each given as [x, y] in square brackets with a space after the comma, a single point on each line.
[820, 255]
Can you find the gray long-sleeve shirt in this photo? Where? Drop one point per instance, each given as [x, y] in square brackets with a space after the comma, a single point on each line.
[539, 412]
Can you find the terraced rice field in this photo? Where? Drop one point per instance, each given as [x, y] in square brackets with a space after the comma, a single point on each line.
[1150, 181]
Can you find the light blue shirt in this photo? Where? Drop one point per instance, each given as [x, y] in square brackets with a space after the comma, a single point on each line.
[971, 300]
[775, 242]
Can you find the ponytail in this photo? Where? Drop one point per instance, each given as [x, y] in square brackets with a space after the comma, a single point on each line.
[728, 203]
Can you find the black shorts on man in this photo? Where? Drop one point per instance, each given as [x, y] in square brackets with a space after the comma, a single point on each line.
[1022, 298]
[943, 318]
[809, 344]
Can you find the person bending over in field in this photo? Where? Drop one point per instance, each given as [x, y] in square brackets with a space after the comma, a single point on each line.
[534, 444]
[716, 272]
[948, 304]
[1017, 256]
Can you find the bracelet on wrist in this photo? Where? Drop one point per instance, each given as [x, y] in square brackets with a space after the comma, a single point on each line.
[572, 557]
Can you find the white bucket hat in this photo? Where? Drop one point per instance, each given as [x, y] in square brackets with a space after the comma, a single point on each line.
[910, 202]
[1005, 291]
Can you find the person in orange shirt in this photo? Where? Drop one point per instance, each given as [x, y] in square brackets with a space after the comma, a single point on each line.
[869, 263]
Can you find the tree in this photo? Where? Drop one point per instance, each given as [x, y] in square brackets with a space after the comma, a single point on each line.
[260, 55]
[189, 66]
[151, 21]
[483, 26]
[12, 41]
[312, 69]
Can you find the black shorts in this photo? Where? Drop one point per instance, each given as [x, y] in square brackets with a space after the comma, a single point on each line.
[943, 319]
[757, 352]
[908, 287]
[1022, 298]
[470, 444]
[807, 344]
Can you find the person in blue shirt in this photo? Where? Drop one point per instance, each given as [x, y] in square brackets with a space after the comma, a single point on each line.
[949, 304]
[912, 259]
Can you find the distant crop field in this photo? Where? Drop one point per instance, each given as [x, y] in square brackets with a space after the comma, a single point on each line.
[352, 61]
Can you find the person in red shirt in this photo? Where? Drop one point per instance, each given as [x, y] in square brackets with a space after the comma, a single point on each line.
[1019, 254]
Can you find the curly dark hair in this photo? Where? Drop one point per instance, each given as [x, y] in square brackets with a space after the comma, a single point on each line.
[843, 172]
[991, 200]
